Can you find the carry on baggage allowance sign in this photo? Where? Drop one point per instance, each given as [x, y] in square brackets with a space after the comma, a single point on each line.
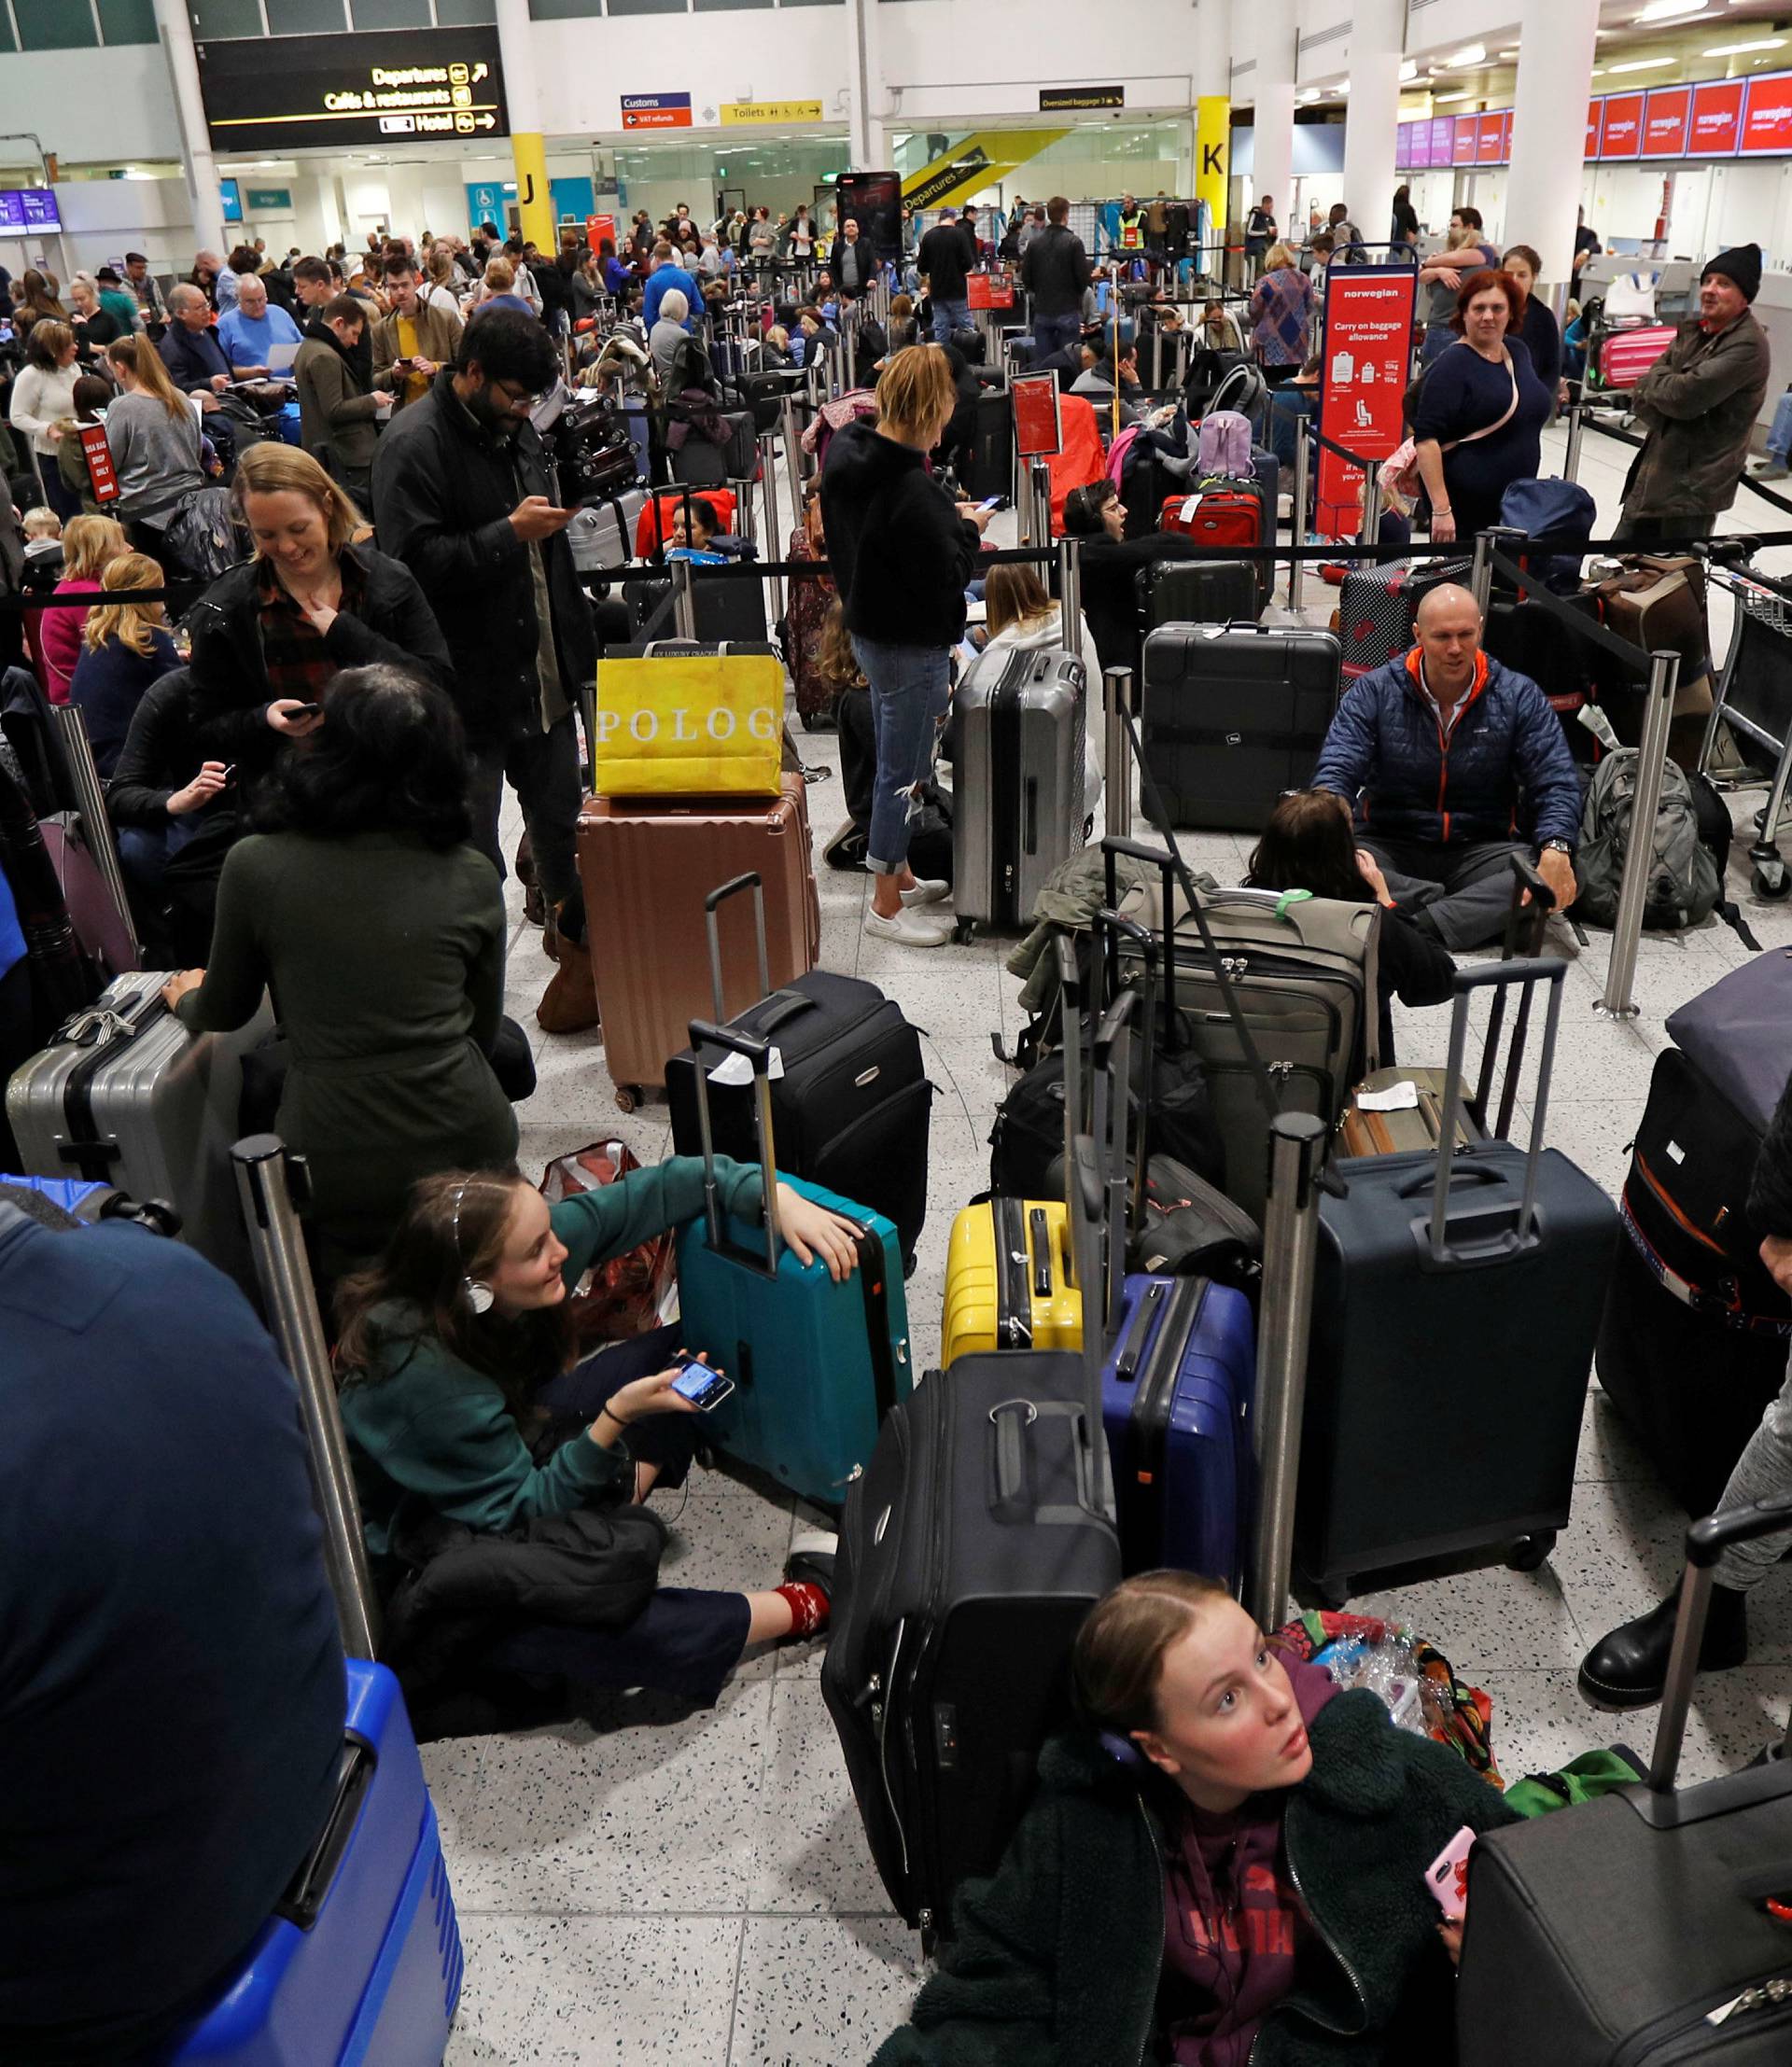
[1368, 349]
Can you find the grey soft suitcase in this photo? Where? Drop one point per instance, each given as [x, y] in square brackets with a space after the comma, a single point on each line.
[1017, 781]
[1234, 715]
[125, 1095]
[1633, 1931]
[602, 534]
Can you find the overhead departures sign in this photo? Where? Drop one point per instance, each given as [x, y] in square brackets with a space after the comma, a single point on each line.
[274, 93]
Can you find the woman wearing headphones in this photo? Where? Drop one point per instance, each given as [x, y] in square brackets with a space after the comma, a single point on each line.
[464, 1404]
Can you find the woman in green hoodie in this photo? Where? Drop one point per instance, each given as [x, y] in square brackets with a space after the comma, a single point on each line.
[1228, 1866]
[463, 1402]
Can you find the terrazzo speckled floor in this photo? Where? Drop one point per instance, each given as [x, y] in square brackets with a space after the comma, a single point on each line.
[693, 1888]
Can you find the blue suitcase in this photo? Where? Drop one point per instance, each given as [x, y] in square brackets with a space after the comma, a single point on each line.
[816, 1365]
[1178, 1368]
[360, 1965]
[1176, 1392]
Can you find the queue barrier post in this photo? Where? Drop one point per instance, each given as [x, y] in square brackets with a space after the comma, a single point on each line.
[1616, 1001]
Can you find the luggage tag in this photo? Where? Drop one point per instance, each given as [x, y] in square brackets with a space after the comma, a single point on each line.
[1396, 1097]
[733, 1069]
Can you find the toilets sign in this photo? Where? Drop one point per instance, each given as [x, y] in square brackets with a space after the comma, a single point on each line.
[1363, 380]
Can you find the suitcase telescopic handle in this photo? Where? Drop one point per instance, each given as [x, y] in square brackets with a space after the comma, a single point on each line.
[711, 906]
[759, 1059]
[1110, 1126]
[1499, 977]
[1069, 984]
[1707, 1542]
[1086, 1200]
[1110, 929]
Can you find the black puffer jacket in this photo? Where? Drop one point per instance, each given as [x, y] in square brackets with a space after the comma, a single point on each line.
[443, 495]
[902, 554]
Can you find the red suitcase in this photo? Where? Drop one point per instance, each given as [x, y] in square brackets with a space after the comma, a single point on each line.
[660, 512]
[1224, 513]
[647, 867]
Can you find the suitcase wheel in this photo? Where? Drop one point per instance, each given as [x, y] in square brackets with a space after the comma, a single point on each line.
[964, 930]
[1530, 1553]
[628, 1097]
[1769, 879]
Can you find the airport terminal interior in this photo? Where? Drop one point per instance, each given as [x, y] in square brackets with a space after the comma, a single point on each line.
[649, 1876]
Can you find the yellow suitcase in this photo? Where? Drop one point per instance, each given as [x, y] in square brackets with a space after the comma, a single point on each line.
[1008, 1281]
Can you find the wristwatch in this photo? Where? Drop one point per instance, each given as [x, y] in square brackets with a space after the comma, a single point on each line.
[1559, 846]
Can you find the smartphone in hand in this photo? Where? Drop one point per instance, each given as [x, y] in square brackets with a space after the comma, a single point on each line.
[704, 1388]
[1447, 1876]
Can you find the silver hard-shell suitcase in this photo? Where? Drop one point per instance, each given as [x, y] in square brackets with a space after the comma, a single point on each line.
[1017, 781]
[125, 1093]
[602, 534]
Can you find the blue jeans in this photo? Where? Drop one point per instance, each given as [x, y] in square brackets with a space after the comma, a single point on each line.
[1288, 406]
[949, 316]
[1055, 333]
[1779, 440]
[911, 688]
[1438, 337]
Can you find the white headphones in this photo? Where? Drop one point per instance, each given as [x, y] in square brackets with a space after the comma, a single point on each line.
[479, 1294]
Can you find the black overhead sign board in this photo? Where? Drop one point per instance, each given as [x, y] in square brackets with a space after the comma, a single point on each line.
[1068, 100]
[274, 93]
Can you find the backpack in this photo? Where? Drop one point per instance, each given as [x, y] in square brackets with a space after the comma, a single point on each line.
[1684, 882]
[1225, 445]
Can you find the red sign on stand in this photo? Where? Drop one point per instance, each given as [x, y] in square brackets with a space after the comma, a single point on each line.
[100, 469]
[1622, 136]
[1664, 124]
[989, 290]
[1366, 356]
[1038, 430]
[1716, 118]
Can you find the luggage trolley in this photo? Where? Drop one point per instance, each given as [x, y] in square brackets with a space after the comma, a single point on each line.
[1754, 696]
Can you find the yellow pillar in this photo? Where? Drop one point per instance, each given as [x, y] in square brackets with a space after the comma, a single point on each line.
[533, 203]
[1213, 139]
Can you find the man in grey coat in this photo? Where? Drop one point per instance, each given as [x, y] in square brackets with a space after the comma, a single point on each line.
[1698, 403]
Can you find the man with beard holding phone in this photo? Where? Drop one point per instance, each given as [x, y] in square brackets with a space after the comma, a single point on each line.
[463, 494]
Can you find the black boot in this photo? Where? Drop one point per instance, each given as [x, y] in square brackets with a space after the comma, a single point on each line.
[1629, 1667]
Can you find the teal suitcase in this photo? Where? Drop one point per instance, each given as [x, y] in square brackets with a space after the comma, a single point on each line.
[817, 1365]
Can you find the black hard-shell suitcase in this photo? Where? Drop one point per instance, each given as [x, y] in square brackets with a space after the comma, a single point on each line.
[989, 468]
[1693, 1341]
[1233, 716]
[1633, 1931]
[1197, 591]
[850, 1110]
[1452, 1336]
[980, 1536]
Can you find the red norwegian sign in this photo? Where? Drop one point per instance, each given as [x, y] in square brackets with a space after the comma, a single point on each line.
[1665, 121]
[1595, 118]
[1716, 118]
[1467, 140]
[100, 469]
[1766, 116]
[1038, 430]
[989, 290]
[1489, 143]
[1622, 135]
[1365, 358]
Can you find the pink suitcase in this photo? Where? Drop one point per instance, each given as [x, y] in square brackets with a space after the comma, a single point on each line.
[647, 867]
[1626, 356]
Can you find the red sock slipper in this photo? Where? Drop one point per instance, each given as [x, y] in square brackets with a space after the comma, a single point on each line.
[809, 1607]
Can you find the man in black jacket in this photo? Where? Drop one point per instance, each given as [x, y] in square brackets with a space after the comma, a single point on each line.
[944, 261]
[463, 494]
[1055, 270]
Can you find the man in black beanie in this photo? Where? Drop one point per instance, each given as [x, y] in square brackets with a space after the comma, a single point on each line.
[1629, 1667]
[1698, 403]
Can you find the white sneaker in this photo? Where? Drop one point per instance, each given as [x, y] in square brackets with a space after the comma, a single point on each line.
[925, 892]
[909, 928]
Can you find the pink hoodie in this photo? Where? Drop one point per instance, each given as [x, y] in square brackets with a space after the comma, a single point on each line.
[1233, 1920]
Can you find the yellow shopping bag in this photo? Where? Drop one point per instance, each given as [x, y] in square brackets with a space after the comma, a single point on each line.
[690, 725]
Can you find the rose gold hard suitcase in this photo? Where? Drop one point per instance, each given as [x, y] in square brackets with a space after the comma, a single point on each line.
[647, 867]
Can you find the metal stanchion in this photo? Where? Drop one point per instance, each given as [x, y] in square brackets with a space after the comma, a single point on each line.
[1023, 503]
[792, 457]
[1639, 858]
[768, 508]
[684, 601]
[1290, 1239]
[1570, 455]
[96, 825]
[1297, 529]
[1040, 472]
[1117, 685]
[1480, 573]
[1156, 358]
[1371, 530]
[266, 1179]
[1070, 594]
